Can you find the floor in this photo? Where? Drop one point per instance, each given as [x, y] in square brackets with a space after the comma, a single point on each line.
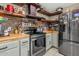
[53, 52]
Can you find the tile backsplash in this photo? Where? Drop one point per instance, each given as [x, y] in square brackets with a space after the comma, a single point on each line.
[13, 22]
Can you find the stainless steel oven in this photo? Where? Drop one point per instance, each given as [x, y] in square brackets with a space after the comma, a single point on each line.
[38, 45]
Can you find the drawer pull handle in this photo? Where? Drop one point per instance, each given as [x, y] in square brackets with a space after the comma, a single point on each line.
[3, 48]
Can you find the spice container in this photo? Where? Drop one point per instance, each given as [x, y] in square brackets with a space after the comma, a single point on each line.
[21, 11]
[1, 8]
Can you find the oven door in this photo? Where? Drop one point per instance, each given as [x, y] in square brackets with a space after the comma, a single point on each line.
[38, 45]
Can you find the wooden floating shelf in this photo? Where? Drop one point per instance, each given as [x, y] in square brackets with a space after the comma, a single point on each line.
[21, 16]
[34, 17]
[50, 21]
[55, 13]
[12, 14]
[43, 11]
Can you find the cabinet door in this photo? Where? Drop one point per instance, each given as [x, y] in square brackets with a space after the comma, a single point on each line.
[24, 51]
[52, 39]
[47, 44]
[55, 40]
[9, 48]
[11, 52]
[48, 41]
[24, 47]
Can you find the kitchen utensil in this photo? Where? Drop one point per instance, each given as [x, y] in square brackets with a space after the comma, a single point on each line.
[21, 11]
[1, 7]
[6, 33]
[15, 10]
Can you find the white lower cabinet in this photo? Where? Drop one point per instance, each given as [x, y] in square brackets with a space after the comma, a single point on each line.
[51, 40]
[15, 48]
[9, 48]
[24, 47]
[55, 40]
[48, 41]
[11, 52]
[24, 51]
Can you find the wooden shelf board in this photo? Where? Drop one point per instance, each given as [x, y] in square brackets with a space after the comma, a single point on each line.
[43, 11]
[12, 14]
[34, 17]
[50, 21]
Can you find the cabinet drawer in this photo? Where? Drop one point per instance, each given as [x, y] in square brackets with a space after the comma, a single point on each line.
[24, 42]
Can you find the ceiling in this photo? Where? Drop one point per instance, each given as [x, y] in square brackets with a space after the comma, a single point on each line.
[52, 6]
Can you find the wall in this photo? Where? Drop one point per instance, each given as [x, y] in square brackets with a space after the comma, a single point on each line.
[54, 17]
[41, 15]
[70, 8]
[74, 6]
[12, 21]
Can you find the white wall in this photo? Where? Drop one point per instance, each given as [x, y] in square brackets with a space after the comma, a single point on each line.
[54, 17]
[74, 6]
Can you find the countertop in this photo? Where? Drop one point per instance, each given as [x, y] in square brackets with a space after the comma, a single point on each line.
[50, 31]
[12, 37]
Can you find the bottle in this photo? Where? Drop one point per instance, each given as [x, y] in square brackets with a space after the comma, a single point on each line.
[15, 30]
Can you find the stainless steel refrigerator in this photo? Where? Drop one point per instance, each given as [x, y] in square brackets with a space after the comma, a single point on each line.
[69, 41]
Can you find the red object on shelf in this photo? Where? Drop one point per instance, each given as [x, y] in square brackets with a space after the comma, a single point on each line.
[10, 8]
